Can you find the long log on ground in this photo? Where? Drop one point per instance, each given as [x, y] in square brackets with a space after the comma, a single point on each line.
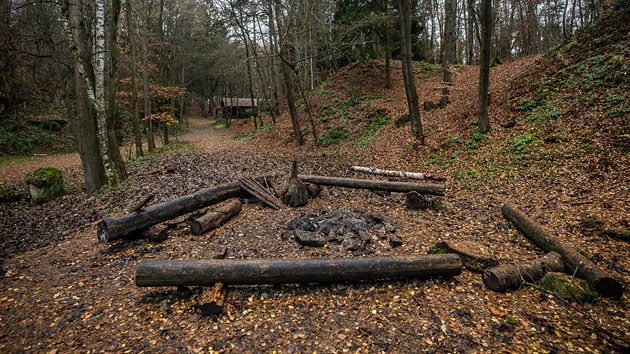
[289, 271]
[576, 263]
[118, 227]
[402, 187]
[513, 275]
[391, 173]
[215, 217]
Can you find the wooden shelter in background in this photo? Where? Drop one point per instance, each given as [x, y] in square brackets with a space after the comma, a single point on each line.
[235, 108]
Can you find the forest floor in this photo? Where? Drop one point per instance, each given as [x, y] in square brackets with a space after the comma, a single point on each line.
[61, 290]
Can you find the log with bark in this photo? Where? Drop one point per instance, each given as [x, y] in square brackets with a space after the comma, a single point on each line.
[215, 217]
[296, 193]
[583, 268]
[391, 173]
[288, 271]
[513, 275]
[402, 187]
[128, 224]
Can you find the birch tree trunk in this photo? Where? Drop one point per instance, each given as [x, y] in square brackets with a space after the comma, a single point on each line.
[99, 84]
[75, 32]
[408, 75]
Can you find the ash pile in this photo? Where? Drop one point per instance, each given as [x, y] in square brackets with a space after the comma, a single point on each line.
[353, 230]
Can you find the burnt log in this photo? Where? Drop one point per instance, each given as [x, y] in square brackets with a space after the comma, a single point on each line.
[402, 187]
[583, 268]
[513, 275]
[215, 217]
[289, 271]
[128, 224]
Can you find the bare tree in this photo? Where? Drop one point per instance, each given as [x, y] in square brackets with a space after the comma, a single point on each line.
[408, 75]
[484, 68]
[93, 169]
[112, 88]
[133, 53]
[449, 48]
[285, 53]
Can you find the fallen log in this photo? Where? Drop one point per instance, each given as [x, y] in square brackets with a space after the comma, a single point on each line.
[121, 226]
[391, 173]
[287, 271]
[513, 275]
[403, 187]
[215, 217]
[576, 263]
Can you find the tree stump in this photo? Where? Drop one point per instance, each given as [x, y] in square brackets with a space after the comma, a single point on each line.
[296, 193]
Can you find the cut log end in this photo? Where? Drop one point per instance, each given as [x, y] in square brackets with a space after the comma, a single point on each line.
[513, 275]
[608, 287]
[102, 231]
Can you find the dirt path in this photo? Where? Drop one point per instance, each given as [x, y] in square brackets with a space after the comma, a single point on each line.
[201, 132]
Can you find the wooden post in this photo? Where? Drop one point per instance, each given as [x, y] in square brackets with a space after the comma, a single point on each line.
[402, 187]
[576, 263]
[286, 271]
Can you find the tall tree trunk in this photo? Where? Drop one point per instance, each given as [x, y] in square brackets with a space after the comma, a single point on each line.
[470, 32]
[92, 163]
[250, 81]
[388, 48]
[112, 88]
[286, 73]
[484, 68]
[262, 79]
[145, 77]
[408, 75]
[449, 47]
[275, 101]
[135, 116]
[99, 85]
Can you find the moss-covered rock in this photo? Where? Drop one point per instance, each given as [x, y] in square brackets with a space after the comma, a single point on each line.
[569, 288]
[45, 184]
